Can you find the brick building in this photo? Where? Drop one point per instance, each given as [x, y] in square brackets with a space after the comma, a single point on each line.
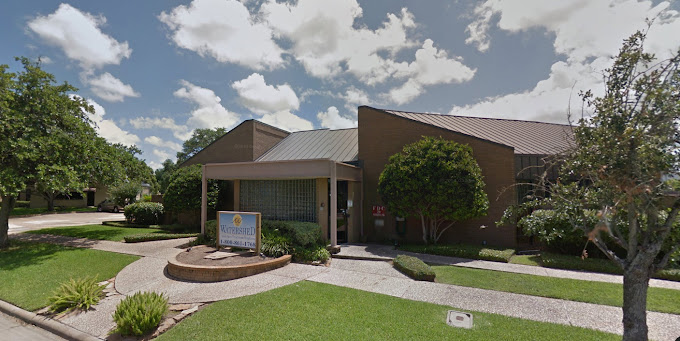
[331, 176]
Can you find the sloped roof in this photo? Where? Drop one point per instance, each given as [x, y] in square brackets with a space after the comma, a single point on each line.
[337, 145]
[526, 137]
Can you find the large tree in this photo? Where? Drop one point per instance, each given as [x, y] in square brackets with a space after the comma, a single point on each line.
[615, 186]
[164, 175]
[436, 180]
[45, 134]
[199, 139]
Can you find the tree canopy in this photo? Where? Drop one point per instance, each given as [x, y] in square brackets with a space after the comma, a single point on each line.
[199, 139]
[615, 186]
[436, 180]
[184, 191]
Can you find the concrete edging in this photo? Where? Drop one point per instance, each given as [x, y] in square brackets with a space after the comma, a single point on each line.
[46, 323]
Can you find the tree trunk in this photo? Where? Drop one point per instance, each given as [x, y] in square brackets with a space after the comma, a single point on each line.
[635, 283]
[6, 207]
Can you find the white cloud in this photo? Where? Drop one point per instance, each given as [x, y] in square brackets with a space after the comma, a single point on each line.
[209, 113]
[324, 36]
[287, 121]
[224, 30]
[332, 119]
[109, 129]
[354, 97]
[181, 132]
[261, 98]
[110, 88]
[406, 93]
[580, 36]
[159, 142]
[78, 34]
[161, 154]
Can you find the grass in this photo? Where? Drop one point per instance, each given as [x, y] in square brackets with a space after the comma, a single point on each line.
[463, 251]
[98, 232]
[30, 272]
[658, 299]
[316, 311]
[533, 260]
[18, 211]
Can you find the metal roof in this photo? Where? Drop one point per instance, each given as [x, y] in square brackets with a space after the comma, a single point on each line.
[337, 145]
[526, 137]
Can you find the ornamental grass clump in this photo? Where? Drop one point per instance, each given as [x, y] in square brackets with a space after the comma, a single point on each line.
[76, 294]
[140, 313]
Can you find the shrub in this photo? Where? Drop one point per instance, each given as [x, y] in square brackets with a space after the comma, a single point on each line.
[311, 254]
[23, 204]
[275, 246]
[146, 198]
[301, 233]
[76, 294]
[669, 274]
[144, 213]
[414, 268]
[463, 251]
[558, 261]
[145, 237]
[140, 313]
[211, 230]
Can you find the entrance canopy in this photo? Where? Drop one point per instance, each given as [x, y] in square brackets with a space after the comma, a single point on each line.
[282, 170]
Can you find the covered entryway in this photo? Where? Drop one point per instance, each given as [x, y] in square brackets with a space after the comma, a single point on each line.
[304, 190]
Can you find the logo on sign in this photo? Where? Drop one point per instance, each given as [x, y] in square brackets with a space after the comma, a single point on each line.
[378, 211]
[237, 220]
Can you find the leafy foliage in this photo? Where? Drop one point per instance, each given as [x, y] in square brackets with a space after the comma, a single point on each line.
[184, 191]
[435, 180]
[147, 237]
[145, 213]
[316, 253]
[125, 193]
[199, 139]
[414, 268]
[164, 175]
[76, 294]
[140, 313]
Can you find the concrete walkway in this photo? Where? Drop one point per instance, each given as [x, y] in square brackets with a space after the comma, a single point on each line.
[387, 252]
[147, 274]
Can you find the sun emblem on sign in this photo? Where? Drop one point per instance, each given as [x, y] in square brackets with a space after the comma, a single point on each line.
[237, 220]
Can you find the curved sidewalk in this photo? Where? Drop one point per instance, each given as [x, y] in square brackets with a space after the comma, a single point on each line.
[387, 252]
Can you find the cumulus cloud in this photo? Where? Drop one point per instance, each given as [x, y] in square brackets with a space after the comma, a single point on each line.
[580, 38]
[109, 129]
[110, 88]
[159, 142]
[161, 154]
[260, 98]
[287, 121]
[180, 132]
[224, 30]
[79, 35]
[333, 120]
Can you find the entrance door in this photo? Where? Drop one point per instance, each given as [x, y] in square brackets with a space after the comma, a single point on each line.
[343, 217]
[90, 198]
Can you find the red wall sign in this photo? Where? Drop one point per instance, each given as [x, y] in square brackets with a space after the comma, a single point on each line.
[378, 211]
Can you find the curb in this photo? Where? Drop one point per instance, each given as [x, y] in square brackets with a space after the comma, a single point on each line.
[48, 213]
[48, 324]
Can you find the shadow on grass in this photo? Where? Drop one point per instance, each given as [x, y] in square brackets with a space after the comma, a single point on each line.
[22, 253]
[81, 232]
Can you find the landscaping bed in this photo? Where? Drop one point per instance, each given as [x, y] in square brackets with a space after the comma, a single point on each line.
[463, 251]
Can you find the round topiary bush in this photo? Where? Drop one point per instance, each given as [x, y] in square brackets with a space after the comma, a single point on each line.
[145, 213]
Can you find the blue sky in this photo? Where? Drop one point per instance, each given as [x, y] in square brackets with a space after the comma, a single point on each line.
[156, 70]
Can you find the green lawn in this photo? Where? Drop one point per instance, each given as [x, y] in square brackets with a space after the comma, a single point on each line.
[17, 211]
[316, 311]
[29, 272]
[658, 299]
[99, 232]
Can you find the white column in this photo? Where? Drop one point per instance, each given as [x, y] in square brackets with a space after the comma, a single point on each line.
[204, 201]
[334, 205]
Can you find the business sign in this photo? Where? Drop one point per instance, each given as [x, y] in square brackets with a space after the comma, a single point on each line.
[378, 211]
[239, 229]
[459, 319]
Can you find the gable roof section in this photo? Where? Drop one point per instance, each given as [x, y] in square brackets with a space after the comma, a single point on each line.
[526, 137]
[337, 145]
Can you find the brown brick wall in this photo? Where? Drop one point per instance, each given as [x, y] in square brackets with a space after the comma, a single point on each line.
[382, 135]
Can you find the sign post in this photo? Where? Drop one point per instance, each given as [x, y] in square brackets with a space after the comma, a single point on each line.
[239, 229]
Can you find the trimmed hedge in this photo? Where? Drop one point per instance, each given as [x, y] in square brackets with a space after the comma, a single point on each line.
[144, 213]
[669, 274]
[463, 251]
[414, 268]
[22, 203]
[301, 233]
[128, 225]
[145, 237]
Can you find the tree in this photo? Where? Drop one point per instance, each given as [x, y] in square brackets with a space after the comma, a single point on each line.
[438, 181]
[625, 150]
[45, 134]
[164, 175]
[184, 192]
[125, 193]
[199, 139]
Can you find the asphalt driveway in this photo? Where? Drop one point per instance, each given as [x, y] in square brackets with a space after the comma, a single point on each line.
[23, 224]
